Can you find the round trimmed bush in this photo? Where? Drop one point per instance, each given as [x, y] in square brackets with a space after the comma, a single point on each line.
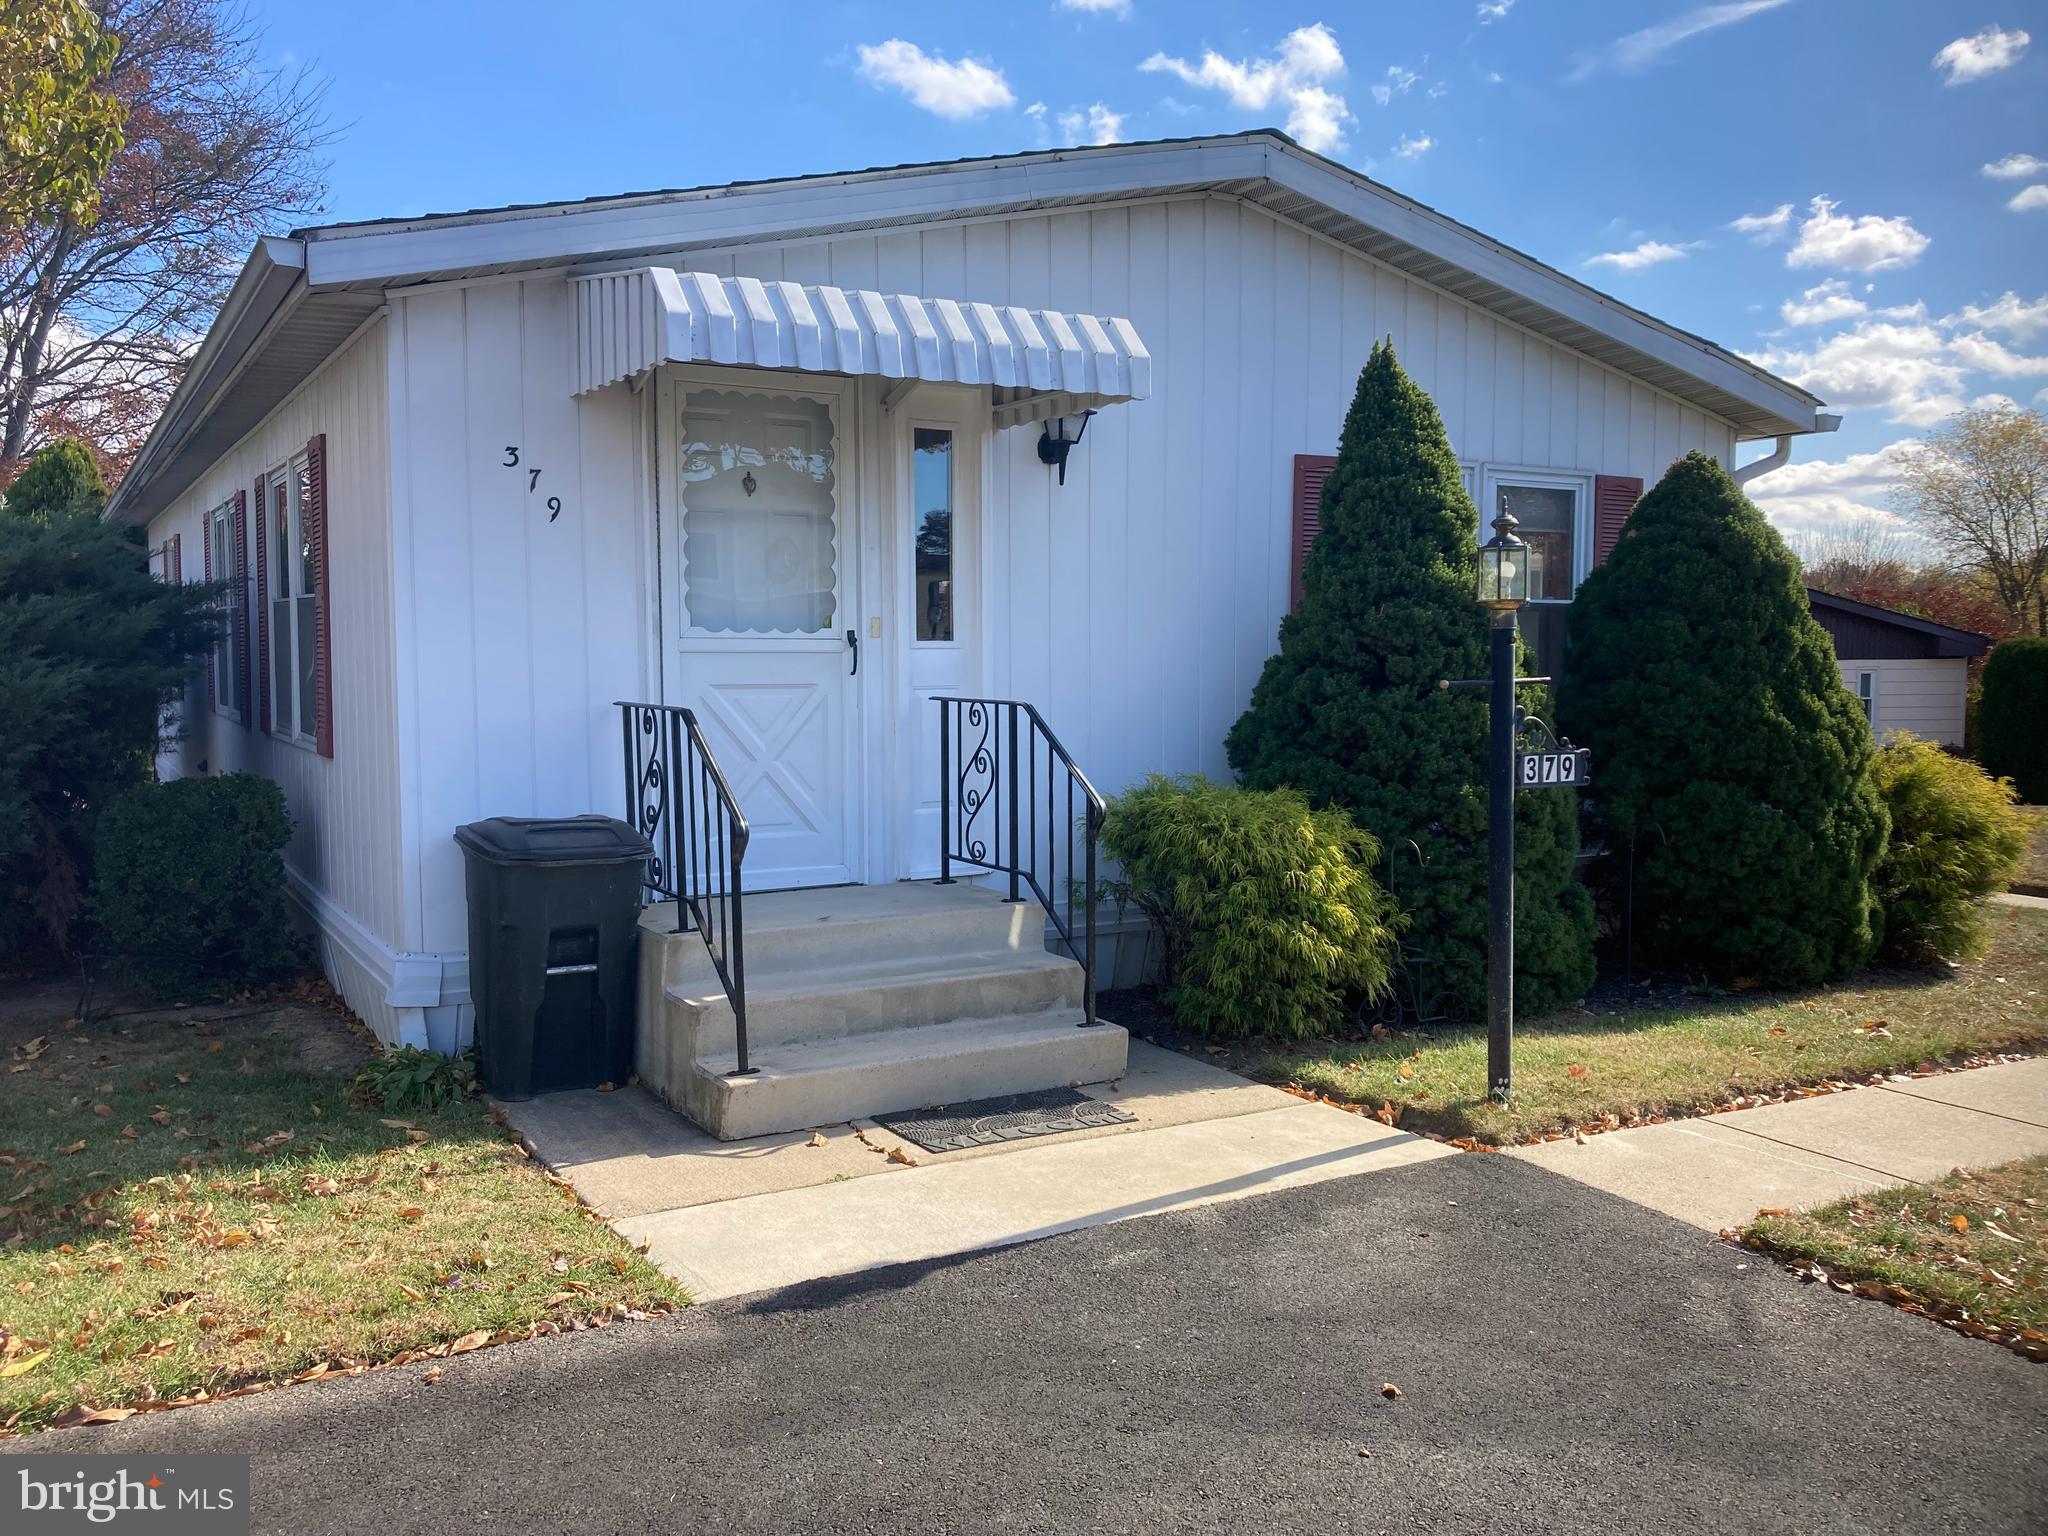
[2012, 716]
[1956, 838]
[1267, 912]
[1729, 756]
[189, 889]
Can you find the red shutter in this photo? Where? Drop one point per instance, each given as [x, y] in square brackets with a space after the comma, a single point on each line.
[1614, 497]
[263, 510]
[177, 560]
[213, 652]
[242, 604]
[323, 650]
[1310, 471]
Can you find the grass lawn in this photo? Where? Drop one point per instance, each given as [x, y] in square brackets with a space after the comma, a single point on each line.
[1971, 1250]
[195, 1204]
[2032, 876]
[1683, 1054]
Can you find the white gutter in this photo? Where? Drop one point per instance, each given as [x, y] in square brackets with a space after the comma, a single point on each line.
[1781, 455]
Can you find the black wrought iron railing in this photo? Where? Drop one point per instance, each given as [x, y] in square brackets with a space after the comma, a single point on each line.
[1012, 800]
[678, 797]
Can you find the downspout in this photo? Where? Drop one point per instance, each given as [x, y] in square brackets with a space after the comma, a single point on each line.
[1781, 455]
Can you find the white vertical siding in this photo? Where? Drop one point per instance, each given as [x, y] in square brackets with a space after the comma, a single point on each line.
[515, 632]
[1924, 695]
[345, 809]
[1137, 604]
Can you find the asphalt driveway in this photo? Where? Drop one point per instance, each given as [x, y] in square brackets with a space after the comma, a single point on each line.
[1565, 1360]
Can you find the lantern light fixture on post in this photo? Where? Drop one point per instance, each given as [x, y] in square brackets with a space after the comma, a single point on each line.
[1053, 443]
[1503, 588]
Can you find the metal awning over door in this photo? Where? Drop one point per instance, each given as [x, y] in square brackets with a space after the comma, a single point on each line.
[1036, 362]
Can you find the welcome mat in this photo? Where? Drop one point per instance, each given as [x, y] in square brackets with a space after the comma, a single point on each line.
[1014, 1116]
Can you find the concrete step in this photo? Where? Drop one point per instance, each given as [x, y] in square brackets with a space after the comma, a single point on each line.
[822, 1082]
[908, 992]
[805, 931]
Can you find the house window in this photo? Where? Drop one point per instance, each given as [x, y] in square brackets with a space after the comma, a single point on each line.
[220, 560]
[294, 610]
[932, 489]
[1550, 513]
[1866, 695]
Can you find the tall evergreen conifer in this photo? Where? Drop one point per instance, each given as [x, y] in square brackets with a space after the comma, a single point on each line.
[1726, 750]
[1350, 713]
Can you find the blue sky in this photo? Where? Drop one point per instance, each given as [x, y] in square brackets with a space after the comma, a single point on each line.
[1855, 194]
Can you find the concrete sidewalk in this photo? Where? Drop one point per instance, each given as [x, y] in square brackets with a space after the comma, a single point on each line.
[729, 1218]
[1720, 1170]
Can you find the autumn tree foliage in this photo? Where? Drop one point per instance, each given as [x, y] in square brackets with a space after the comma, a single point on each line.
[59, 129]
[99, 315]
[1977, 489]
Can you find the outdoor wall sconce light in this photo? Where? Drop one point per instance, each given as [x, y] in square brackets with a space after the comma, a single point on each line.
[748, 483]
[1053, 443]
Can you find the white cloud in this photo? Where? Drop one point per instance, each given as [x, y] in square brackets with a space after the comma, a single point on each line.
[1980, 352]
[1296, 76]
[1098, 125]
[1493, 77]
[1981, 53]
[1414, 149]
[1831, 496]
[1121, 9]
[1491, 11]
[2027, 199]
[1639, 50]
[954, 89]
[1994, 402]
[1648, 254]
[1904, 370]
[1765, 228]
[1399, 82]
[2019, 318]
[1830, 300]
[1865, 243]
[2014, 167]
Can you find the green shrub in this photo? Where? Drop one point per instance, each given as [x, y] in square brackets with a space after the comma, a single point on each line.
[410, 1078]
[60, 481]
[1726, 749]
[1267, 913]
[1349, 712]
[1956, 838]
[2012, 718]
[92, 647]
[190, 887]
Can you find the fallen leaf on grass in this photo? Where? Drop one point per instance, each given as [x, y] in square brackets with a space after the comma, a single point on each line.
[411, 1212]
[468, 1342]
[1407, 1069]
[1576, 1069]
[1960, 1223]
[23, 1364]
[71, 1151]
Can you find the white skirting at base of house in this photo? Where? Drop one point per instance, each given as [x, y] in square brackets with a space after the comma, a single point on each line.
[406, 999]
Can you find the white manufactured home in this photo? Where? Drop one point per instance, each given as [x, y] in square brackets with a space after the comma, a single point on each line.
[804, 457]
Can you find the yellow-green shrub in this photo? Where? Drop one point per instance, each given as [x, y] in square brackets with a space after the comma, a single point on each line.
[1269, 919]
[1956, 838]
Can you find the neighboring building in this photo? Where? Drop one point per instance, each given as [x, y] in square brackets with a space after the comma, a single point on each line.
[1911, 674]
[772, 451]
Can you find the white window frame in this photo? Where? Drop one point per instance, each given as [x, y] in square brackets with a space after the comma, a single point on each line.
[1494, 476]
[219, 533]
[1866, 695]
[284, 638]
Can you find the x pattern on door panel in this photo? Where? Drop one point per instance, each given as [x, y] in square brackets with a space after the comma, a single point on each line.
[775, 742]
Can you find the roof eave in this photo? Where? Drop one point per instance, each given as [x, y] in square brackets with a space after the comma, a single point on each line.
[276, 268]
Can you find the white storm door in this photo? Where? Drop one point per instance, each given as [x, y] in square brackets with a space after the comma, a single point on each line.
[765, 559]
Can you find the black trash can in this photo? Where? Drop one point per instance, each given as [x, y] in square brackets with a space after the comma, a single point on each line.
[554, 913]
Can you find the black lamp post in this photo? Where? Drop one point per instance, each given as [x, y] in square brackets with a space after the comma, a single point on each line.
[1503, 588]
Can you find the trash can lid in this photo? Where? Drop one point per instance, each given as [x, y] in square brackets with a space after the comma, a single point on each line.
[560, 840]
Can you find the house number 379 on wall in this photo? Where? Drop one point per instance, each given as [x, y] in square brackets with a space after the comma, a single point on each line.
[511, 461]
